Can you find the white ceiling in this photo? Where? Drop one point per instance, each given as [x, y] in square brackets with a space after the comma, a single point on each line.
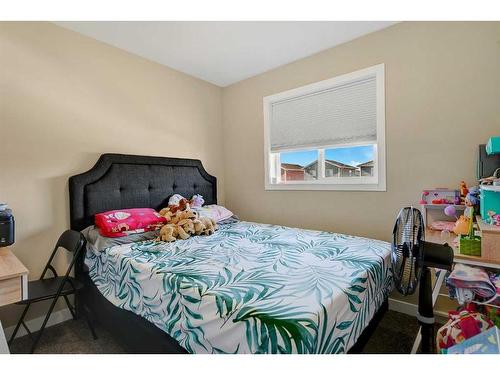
[224, 52]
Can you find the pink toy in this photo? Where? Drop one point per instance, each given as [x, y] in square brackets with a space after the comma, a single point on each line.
[450, 211]
[425, 193]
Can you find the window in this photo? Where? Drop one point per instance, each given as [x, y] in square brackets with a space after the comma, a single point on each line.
[327, 136]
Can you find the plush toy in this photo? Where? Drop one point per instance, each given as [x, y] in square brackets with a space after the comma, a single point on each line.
[175, 199]
[184, 222]
[178, 204]
[174, 214]
[210, 225]
[461, 225]
[186, 214]
[199, 227]
[463, 191]
[185, 228]
[181, 206]
[168, 233]
[196, 201]
[166, 213]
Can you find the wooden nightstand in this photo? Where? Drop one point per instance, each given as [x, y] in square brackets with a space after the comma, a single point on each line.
[13, 278]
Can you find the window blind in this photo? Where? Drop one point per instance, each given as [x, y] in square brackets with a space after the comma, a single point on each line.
[342, 114]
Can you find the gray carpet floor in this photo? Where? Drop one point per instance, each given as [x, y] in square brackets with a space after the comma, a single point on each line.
[395, 334]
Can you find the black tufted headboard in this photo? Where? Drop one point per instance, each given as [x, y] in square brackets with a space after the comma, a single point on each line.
[129, 181]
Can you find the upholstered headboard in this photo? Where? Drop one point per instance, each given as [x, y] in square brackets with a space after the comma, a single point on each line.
[119, 181]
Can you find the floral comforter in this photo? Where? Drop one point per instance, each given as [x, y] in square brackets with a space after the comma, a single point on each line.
[250, 288]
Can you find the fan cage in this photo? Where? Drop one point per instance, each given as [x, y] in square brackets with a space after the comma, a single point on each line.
[407, 250]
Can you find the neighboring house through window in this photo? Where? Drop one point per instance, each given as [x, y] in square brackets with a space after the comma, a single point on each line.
[366, 169]
[292, 172]
[329, 135]
[335, 168]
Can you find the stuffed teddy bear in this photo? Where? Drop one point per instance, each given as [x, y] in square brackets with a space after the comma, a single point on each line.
[170, 211]
[199, 227]
[168, 233]
[184, 222]
[181, 206]
[186, 214]
[185, 228]
[166, 213]
[177, 205]
[209, 224]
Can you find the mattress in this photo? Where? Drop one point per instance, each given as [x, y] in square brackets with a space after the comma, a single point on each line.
[250, 288]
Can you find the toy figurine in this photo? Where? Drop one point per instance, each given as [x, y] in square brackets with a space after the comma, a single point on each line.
[491, 217]
[425, 193]
[497, 219]
[462, 225]
[471, 201]
[463, 191]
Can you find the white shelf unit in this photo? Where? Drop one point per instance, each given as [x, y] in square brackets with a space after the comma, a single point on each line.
[433, 212]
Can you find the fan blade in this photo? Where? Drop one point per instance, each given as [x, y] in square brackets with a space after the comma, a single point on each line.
[407, 247]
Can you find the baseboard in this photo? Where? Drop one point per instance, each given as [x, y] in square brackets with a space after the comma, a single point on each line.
[403, 307]
[35, 324]
[411, 309]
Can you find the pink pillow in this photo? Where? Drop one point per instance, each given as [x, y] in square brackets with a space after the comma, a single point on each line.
[120, 223]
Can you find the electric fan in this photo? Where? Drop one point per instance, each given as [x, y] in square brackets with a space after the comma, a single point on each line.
[412, 259]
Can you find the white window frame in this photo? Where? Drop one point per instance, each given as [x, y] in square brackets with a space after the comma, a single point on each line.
[372, 183]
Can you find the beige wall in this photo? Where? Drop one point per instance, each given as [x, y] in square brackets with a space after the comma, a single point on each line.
[64, 100]
[442, 100]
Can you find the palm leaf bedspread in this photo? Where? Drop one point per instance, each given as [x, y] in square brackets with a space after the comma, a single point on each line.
[250, 288]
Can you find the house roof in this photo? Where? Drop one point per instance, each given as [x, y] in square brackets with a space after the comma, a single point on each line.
[335, 163]
[367, 164]
[289, 167]
[339, 164]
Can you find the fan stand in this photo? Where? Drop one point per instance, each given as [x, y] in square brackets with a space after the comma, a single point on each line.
[439, 257]
[425, 315]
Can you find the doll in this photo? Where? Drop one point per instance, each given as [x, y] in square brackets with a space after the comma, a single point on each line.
[471, 202]
[463, 191]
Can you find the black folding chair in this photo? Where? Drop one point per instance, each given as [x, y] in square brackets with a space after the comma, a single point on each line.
[55, 287]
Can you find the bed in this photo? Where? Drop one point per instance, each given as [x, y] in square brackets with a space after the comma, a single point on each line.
[249, 288]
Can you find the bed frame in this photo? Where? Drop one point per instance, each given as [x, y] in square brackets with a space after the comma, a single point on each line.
[119, 181]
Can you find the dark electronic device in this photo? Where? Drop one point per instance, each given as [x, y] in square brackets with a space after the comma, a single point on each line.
[486, 164]
[6, 227]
